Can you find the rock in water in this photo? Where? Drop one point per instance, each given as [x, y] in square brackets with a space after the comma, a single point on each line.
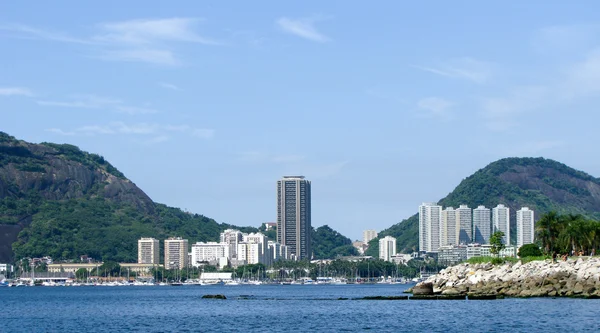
[219, 296]
[423, 288]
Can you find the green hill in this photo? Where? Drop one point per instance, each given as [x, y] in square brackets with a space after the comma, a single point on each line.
[541, 184]
[59, 201]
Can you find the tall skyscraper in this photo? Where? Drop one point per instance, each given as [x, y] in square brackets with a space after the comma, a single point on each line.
[387, 248]
[176, 253]
[368, 235]
[430, 215]
[148, 251]
[293, 215]
[482, 224]
[501, 222]
[464, 221]
[449, 227]
[525, 226]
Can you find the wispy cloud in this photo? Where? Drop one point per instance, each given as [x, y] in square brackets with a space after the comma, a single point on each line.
[167, 85]
[435, 107]
[135, 110]
[15, 91]
[82, 102]
[462, 68]
[59, 131]
[144, 40]
[566, 38]
[499, 113]
[303, 27]
[203, 133]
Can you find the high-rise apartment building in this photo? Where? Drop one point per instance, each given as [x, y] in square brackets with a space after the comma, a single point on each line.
[501, 222]
[464, 221]
[293, 215]
[525, 226]
[449, 229]
[387, 248]
[482, 225]
[369, 235]
[176, 253]
[232, 238]
[148, 251]
[430, 216]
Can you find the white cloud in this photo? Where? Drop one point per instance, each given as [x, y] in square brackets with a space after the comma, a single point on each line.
[435, 107]
[203, 133]
[95, 129]
[462, 68]
[167, 85]
[59, 131]
[83, 102]
[143, 40]
[135, 110]
[303, 27]
[500, 113]
[141, 128]
[15, 91]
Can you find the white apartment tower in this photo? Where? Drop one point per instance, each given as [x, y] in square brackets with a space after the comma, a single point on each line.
[387, 248]
[449, 229]
[430, 216]
[369, 235]
[293, 215]
[482, 225]
[148, 251]
[176, 253]
[501, 222]
[464, 221]
[525, 226]
[232, 238]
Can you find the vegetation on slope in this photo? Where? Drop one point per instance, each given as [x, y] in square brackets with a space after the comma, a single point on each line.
[328, 243]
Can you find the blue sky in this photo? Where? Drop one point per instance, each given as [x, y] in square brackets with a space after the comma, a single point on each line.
[204, 105]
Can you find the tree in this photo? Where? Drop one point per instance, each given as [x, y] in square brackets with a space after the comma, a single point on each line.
[496, 242]
[529, 250]
[81, 273]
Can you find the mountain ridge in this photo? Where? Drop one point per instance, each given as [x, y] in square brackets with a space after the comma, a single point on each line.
[541, 184]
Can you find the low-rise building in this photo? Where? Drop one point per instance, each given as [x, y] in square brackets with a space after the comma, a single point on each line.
[452, 254]
[209, 252]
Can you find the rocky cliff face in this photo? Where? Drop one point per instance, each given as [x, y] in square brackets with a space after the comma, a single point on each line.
[577, 277]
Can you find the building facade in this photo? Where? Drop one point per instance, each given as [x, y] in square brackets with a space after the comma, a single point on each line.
[176, 253]
[387, 248]
[465, 222]
[482, 225]
[209, 252]
[449, 230]
[525, 226]
[369, 235]
[148, 251]
[430, 215]
[501, 222]
[232, 238]
[294, 215]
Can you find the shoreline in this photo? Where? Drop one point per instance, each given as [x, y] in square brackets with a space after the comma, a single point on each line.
[577, 277]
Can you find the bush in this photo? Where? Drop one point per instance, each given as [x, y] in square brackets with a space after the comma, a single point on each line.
[529, 250]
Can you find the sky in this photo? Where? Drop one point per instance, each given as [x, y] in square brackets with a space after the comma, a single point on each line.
[206, 104]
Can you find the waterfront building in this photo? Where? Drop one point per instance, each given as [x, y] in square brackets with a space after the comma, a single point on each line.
[482, 223]
[464, 221]
[261, 256]
[232, 238]
[148, 251]
[369, 235]
[176, 253]
[452, 254]
[449, 229]
[430, 215]
[501, 222]
[209, 252]
[525, 226]
[294, 215]
[74, 267]
[6, 268]
[387, 248]
[401, 258]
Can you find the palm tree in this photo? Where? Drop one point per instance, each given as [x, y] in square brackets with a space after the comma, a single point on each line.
[548, 229]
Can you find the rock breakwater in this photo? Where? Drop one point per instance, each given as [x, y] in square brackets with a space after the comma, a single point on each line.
[577, 277]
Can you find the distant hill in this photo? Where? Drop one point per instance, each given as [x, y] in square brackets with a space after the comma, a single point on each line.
[58, 200]
[541, 184]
